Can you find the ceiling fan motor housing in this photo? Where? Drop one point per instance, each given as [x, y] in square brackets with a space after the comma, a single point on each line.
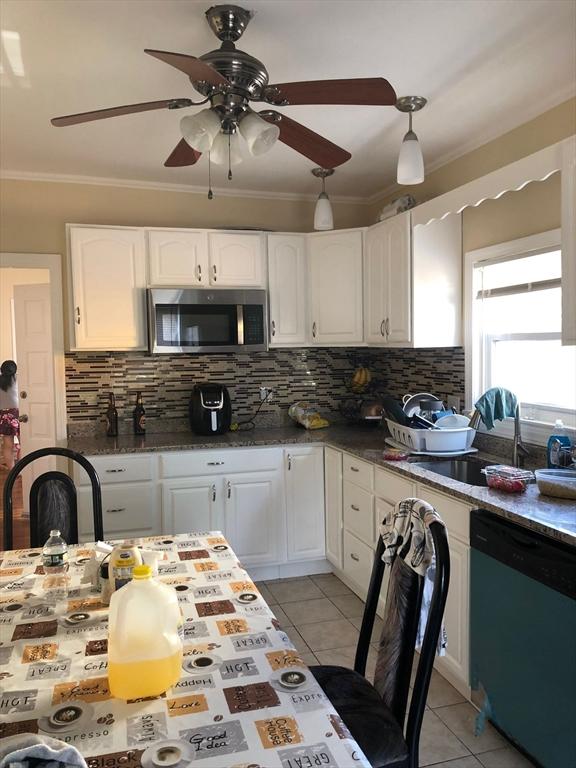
[247, 75]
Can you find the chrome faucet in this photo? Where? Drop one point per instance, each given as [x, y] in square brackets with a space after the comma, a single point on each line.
[519, 451]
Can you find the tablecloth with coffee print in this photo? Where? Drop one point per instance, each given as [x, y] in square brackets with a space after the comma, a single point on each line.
[232, 711]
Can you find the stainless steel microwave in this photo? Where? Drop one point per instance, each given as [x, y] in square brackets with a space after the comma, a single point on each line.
[201, 320]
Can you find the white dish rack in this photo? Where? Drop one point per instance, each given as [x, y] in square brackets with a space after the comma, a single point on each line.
[445, 440]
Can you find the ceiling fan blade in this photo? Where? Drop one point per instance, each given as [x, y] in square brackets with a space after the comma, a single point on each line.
[363, 90]
[182, 154]
[195, 68]
[127, 109]
[303, 140]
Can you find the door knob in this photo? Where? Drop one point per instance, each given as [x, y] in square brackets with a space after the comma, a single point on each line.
[23, 394]
[23, 419]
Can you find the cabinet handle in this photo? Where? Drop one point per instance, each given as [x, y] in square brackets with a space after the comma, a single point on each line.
[214, 271]
[355, 508]
[314, 330]
[228, 489]
[117, 509]
[199, 272]
[382, 325]
[214, 493]
[273, 328]
[387, 326]
[354, 557]
[289, 462]
[354, 469]
[114, 471]
[78, 315]
[215, 463]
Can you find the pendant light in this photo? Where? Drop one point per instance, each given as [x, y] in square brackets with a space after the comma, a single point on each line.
[323, 217]
[410, 160]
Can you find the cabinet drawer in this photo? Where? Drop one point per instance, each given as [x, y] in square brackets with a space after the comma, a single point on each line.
[358, 560]
[116, 469]
[358, 512]
[391, 487]
[189, 463]
[359, 472]
[456, 514]
[130, 509]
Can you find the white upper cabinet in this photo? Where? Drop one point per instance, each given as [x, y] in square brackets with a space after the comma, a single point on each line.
[237, 259]
[287, 290]
[387, 300]
[178, 257]
[336, 288]
[108, 271]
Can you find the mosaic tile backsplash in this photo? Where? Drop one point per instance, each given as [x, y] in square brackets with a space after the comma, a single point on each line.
[320, 376]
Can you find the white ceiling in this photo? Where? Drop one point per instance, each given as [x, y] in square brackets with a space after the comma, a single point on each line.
[485, 66]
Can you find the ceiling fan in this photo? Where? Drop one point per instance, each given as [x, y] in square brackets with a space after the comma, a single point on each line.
[229, 80]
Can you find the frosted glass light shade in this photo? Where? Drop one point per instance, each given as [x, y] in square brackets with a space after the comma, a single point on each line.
[200, 130]
[323, 218]
[410, 161]
[219, 151]
[260, 135]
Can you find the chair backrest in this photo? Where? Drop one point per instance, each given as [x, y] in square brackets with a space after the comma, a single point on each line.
[397, 643]
[51, 489]
[53, 505]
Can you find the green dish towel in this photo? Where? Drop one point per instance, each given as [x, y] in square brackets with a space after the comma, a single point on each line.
[496, 404]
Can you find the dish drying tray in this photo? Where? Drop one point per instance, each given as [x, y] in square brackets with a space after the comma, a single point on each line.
[439, 454]
[436, 440]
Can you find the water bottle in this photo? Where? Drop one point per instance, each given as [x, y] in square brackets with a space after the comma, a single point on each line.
[55, 554]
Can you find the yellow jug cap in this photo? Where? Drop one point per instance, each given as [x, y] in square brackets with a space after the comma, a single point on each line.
[142, 572]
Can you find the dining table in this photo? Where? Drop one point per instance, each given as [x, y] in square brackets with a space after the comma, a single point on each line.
[245, 698]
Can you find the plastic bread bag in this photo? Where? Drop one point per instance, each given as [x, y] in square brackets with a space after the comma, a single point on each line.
[305, 415]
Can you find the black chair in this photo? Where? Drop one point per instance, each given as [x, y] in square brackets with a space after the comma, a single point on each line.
[52, 500]
[375, 714]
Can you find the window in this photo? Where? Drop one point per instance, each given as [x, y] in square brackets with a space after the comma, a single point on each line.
[514, 334]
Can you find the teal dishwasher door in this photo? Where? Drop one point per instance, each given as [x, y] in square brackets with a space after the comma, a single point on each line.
[523, 654]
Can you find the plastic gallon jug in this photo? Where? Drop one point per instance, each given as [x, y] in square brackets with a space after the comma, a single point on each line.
[144, 645]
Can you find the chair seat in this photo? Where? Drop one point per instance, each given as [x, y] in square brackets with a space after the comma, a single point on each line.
[368, 719]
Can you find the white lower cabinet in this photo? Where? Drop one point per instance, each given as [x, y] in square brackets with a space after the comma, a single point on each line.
[305, 535]
[128, 509]
[333, 505]
[192, 504]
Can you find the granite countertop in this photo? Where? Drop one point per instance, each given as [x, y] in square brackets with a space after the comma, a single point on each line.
[553, 517]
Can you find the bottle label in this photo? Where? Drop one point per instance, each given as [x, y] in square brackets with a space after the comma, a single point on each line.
[54, 560]
[142, 421]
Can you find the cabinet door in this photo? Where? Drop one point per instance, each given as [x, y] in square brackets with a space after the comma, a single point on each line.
[305, 503]
[398, 280]
[178, 258]
[108, 288]
[287, 289]
[192, 504]
[333, 505]
[336, 288]
[254, 512]
[128, 509]
[375, 284]
[456, 616]
[236, 259]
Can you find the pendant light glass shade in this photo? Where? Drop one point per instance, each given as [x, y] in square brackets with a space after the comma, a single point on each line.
[410, 161]
[219, 151]
[200, 130]
[323, 217]
[260, 135]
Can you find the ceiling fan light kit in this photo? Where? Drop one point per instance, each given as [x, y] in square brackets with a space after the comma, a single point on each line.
[260, 135]
[323, 216]
[410, 160]
[201, 129]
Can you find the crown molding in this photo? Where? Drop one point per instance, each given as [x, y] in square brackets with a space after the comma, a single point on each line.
[101, 181]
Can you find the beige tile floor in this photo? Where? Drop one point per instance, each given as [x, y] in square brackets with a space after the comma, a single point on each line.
[322, 617]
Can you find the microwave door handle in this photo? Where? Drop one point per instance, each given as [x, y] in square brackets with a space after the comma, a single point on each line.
[240, 319]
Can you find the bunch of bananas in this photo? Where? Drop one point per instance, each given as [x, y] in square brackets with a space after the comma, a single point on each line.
[360, 380]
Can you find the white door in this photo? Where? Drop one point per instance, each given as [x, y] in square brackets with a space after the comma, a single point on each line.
[287, 289]
[375, 284]
[35, 377]
[333, 497]
[254, 509]
[192, 504]
[305, 503]
[237, 260]
[108, 285]
[456, 616]
[178, 258]
[336, 288]
[398, 280]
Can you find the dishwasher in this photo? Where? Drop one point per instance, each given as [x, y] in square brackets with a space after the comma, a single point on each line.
[523, 637]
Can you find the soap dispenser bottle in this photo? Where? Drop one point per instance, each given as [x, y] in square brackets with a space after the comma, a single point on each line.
[556, 442]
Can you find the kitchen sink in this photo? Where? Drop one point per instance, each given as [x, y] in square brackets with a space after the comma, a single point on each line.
[463, 470]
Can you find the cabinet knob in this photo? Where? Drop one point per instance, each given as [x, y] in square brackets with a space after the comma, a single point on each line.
[387, 326]
[273, 328]
[199, 272]
[289, 461]
[382, 327]
[215, 463]
[354, 469]
[354, 557]
[78, 315]
[228, 489]
[214, 272]
[314, 330]
[116, 509]
[214, 492]
[114, 471]
[355, 508]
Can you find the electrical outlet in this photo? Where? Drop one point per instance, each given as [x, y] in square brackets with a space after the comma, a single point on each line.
[453, 402]
[266, 393]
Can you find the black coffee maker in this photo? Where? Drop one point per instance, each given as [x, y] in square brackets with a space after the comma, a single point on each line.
[210, 410]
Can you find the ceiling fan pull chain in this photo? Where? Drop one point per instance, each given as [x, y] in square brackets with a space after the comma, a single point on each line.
[229, 159]
[210, 194]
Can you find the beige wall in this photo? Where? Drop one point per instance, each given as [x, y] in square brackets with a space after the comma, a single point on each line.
[8, 279]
